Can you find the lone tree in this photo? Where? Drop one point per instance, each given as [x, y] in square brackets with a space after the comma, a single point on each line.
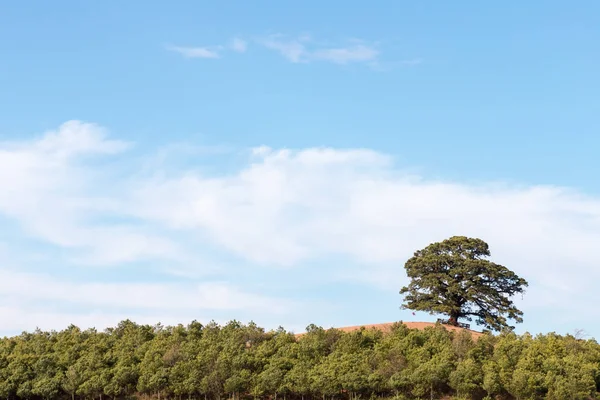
[454, 278]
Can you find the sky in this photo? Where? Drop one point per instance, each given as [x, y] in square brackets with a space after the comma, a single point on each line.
[280, 161]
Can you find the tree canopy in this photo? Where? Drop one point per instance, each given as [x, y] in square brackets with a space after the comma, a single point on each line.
[245, 362]
[454, 278]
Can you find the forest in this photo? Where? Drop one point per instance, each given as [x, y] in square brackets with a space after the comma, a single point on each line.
[243, 361]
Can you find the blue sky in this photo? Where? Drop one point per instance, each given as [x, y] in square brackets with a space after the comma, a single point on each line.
[279, 162]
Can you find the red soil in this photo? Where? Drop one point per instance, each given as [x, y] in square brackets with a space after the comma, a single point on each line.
[411, 325]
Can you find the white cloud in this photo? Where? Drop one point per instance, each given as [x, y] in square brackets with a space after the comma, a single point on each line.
[17, 319]
[287, 207]
[75, 137]
[248, 213]
[345, 55]
[293, 50]
[194, 52]
[283, 208]
[47, 187]
[297, 50]
[135, 295]
[239, 45]
[302, 49]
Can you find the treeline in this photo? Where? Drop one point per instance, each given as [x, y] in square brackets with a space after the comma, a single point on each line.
[239, 361]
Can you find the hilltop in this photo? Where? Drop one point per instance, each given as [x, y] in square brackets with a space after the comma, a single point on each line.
[386, 327]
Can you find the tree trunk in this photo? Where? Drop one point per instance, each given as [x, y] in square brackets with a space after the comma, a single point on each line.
[453, 319]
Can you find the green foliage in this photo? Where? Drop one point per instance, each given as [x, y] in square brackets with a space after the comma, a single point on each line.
[453, 278]
[238, 361]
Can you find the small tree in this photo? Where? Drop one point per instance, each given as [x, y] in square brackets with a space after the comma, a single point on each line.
[453, 277]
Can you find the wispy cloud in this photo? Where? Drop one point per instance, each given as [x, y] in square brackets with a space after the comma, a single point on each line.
[132, 295]
[281, 213]
[194, 52]
[303, 49]
[345, 55]
[62, 202]
[294, 50]
[45, 174]
[239, 45]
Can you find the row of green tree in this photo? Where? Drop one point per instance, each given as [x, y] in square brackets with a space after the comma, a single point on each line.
[238, 361]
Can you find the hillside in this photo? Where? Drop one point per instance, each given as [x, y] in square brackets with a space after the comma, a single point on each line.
[172, 362]
[386, 327]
